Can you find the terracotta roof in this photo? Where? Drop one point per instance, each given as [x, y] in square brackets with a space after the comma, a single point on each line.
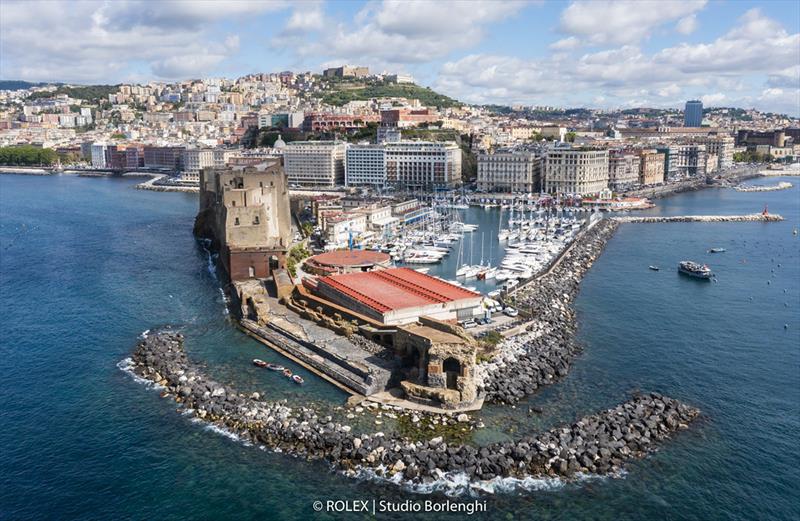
[396, 288]
[350, 258]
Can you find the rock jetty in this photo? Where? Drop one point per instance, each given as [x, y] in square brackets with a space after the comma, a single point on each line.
[599, 443]
[753, 217]
[783, 185]
[543, 355]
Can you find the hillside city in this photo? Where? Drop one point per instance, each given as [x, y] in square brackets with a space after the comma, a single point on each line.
[348, 128]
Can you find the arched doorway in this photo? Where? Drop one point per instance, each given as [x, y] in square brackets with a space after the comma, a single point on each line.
[452, 370]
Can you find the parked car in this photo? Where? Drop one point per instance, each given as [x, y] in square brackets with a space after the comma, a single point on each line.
[469, 324]
[511, 312]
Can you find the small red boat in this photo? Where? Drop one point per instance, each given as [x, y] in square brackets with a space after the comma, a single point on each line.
[287, 373]
[297, 379]
[259, 363]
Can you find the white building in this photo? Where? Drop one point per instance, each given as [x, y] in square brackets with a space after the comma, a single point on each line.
[423, 165]
[509, 172]
[99, 155]
[575, 171]
[720, 145]
[409, 164]
[365, 166]
[194, 160]
[315, 163]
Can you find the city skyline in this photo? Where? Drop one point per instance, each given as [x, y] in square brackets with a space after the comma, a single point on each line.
[598, 54]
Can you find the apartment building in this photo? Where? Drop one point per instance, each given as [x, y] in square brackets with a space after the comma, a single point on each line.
[163, 157]
[720, 145]
[194, 160]
[408, 164]
[518, 172]
[623, 170]
[365, 166]
[423, 165]
[315, 163]
[651, 167]
[575, 171]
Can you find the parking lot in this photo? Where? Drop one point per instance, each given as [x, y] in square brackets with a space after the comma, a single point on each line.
[499, 322]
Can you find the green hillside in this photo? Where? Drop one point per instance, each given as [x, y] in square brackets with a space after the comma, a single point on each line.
[341, 92]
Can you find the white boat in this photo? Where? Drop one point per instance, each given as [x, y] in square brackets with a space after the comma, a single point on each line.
[472, 272]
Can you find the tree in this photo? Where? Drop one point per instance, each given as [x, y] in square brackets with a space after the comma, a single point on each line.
[570, 137]
[27, 155]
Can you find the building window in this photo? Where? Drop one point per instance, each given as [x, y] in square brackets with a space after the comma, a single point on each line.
[236, 221]
[255, 220]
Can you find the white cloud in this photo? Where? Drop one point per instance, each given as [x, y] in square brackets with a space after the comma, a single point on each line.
[669, 91]
[714, 100]
[687, 24]
[89, 41]
[756, 44]
[566, 44]
[788, 77]
[623, 21]
[725, 69]
[398, 32]
[306, 16]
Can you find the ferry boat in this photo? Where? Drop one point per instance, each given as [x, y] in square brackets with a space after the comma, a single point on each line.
[693, 269]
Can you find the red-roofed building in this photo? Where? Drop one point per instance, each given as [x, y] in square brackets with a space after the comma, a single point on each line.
[399, 296]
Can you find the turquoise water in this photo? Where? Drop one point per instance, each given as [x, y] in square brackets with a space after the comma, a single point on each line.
[88, 264]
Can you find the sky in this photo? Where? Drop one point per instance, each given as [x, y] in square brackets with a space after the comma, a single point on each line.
[597, 53]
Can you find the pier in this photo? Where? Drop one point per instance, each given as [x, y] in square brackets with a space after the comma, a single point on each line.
[754, 217]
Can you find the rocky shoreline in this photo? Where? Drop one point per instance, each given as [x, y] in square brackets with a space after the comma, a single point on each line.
[596, 444]
[543, 355]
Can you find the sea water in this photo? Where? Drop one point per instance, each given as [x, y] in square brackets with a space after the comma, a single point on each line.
[87, 265]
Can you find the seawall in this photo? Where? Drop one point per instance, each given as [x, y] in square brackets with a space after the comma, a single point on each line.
[543, 355]
[599, 443]
[755, 217]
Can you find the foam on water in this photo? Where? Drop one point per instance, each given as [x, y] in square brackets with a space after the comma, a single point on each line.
[458, 483]
[222, 431]
[126, 366]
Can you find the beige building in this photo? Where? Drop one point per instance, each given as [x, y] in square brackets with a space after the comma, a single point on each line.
[245, 212]
[196, 159]
[518, 172]
[575, 170]
[315, 163]
[623, 170]
[722, 146]
[651, 167]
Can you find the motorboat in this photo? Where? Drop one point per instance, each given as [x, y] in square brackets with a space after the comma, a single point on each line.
[275, 367]
[259, 363]
[693, 269]
[296, 378]
[716, 250]
[654, 268]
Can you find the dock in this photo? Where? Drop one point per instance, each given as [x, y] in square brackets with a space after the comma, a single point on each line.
[755, 217]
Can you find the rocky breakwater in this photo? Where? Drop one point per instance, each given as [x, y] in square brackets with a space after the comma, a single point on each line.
[783, 185]
[599, 443]
[543, 355]
[753, 217]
